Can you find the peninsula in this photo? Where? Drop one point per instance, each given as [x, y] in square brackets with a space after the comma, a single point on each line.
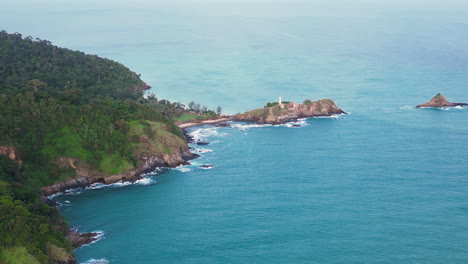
[440, 101]
[283, 112]
[69, 120]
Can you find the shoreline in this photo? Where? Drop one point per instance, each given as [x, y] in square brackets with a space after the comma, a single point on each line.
[84, 239]
[191, 123]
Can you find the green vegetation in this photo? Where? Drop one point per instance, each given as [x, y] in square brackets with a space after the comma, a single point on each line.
[176, 111]
[17, 255]
[36, 65]
[271, 104]
[56, 103]
[28, 226]
[157, 140]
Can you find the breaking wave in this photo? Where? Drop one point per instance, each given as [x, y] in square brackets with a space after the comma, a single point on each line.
[243, 127]
[97, 186]
[183, 169]
[96, 261]
[99, 236]
[406, 107]
[202, 150]
[332, 116]
[203, 133]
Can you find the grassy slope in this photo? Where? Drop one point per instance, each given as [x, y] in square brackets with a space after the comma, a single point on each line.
[154, 137]
[17, 255]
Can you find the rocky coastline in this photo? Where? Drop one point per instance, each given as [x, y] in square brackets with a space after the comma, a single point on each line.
[287, 112]
[86, 177]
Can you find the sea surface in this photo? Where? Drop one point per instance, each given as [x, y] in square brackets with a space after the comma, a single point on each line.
[386, 183]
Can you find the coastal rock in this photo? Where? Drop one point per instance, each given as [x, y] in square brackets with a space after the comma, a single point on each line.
[80, 239]
[206, 166]
[202, 143]
[283, 113]
[223, 124]
[440, 101]
[148, 163]
[152, 149]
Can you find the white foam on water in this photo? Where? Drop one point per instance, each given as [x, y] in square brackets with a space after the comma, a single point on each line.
[202, 150]
[207, 132]
[184, 169]
[302, 122]
[248, 126]
[207, 167]
[50, 197]
[96, 186]
[406, 107]
[145, 181]
[75, 191]
[155, 172]
[99, 236]
[96, 261]
[332, 116]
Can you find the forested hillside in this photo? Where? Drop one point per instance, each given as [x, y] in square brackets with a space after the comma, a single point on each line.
[36, 65]
[59, 110]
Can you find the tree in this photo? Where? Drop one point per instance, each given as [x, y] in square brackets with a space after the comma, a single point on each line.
[191, 105]
[219, 110]
[197, 108]
[36, 84]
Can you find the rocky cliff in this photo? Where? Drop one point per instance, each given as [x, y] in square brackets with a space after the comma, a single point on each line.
[283, 113]
[440, 101]
[153, 146]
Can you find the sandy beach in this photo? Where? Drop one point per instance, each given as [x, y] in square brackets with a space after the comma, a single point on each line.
[203, 122]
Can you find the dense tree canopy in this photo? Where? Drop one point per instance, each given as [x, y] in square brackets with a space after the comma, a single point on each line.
[36, 65]
[55, 103]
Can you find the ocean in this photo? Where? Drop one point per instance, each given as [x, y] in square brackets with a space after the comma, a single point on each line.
[384, 184]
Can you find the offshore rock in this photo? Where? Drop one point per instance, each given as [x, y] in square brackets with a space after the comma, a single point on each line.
[284, 113]
[440, 101]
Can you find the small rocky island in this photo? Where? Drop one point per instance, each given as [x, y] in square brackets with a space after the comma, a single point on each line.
[440, 101]
[283, 112]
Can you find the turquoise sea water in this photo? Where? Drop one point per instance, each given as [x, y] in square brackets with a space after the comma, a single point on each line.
[385, 184]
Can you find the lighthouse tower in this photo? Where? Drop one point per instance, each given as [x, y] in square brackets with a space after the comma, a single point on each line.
[280, 100]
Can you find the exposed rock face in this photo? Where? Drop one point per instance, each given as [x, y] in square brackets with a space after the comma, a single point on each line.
[11, 153]
[79, 239]
[440, 101]
[85, 176]
[156, 147]
[283, 113]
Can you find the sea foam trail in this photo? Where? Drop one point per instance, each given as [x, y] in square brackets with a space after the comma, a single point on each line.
[241, 126]
[97, 186]
[96, 261]
[203, 133]
[332, 116]
[406, 107]
[202, 150]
